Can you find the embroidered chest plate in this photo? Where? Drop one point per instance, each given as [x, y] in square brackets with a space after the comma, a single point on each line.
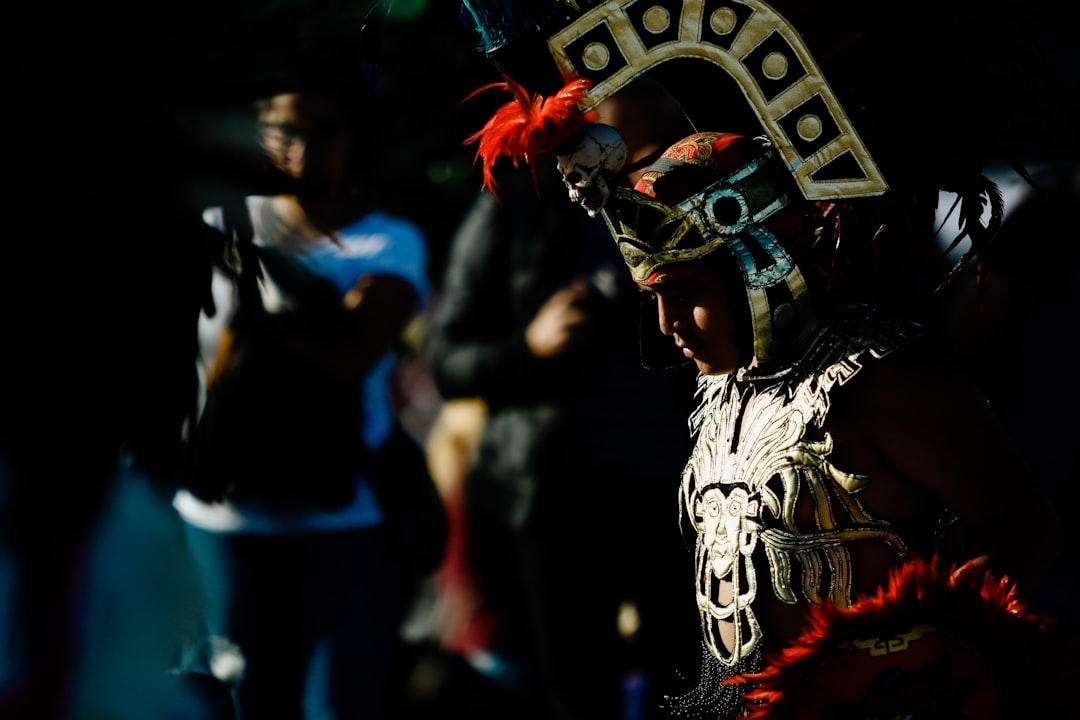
[760, 446]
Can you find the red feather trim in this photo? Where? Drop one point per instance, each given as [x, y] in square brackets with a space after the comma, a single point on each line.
[1011, 657]
[528, 126]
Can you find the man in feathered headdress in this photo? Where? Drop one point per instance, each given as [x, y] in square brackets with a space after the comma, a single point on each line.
[770, 175]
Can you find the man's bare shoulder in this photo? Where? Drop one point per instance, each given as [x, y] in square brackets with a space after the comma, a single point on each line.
[911, 382]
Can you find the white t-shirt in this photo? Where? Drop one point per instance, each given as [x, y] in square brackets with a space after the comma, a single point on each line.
[377, 243]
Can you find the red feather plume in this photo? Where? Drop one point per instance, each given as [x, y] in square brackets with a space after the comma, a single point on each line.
[528, 125]
[978, 620]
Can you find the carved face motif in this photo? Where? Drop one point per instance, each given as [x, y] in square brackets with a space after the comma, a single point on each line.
[729, 528]
[727, 586]
[600, 149]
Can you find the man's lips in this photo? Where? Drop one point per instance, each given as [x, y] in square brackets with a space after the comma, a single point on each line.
[688, 351]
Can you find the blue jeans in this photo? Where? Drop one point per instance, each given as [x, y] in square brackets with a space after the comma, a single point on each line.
[314, 615]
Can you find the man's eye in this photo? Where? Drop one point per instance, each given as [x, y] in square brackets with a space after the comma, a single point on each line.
[681, 295]
[283, 131]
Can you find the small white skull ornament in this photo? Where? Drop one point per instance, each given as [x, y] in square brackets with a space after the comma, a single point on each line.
[600, 149]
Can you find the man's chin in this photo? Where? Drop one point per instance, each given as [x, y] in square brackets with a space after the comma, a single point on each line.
[707, 368]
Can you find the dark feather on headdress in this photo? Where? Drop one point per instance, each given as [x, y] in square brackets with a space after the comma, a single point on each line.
[973, 203]
[499, 22]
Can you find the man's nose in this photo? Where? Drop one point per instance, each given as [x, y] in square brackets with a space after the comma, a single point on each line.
[296, 150]
[666, 313]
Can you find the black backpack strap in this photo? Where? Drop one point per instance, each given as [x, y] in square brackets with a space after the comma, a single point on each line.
[240, 256]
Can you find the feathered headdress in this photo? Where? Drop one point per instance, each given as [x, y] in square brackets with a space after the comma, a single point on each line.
[529, 125]
[738, 67]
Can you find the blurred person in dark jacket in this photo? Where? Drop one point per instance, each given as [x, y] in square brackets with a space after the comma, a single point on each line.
[580, 443]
